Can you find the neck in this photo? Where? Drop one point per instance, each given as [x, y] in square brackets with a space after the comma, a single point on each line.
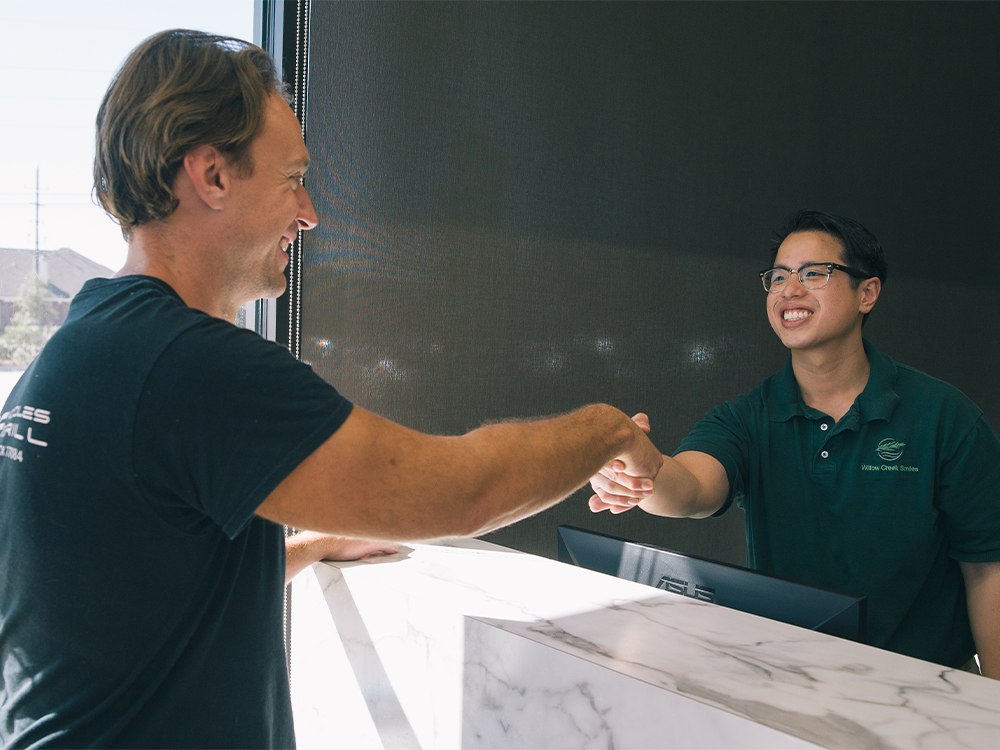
[831, 379]
[163, 252]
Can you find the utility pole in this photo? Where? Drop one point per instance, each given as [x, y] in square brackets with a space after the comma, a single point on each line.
[37, 258]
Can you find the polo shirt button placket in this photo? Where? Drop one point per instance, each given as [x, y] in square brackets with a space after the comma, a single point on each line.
[823, 466]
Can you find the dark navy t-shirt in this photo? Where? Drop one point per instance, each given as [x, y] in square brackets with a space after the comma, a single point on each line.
[140, 597]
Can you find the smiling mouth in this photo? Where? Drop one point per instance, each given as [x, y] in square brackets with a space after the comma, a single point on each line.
[793, 315]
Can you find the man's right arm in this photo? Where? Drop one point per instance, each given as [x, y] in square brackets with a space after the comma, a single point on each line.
[376, 479]
[690, 485]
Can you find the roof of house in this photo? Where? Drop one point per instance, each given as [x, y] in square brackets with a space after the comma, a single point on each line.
[64, 270]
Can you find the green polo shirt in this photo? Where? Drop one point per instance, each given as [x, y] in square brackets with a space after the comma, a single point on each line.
[882, 503]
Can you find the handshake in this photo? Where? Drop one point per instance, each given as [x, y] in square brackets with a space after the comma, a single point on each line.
[616, 487]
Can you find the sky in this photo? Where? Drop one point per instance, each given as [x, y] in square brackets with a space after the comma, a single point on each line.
[56, 61]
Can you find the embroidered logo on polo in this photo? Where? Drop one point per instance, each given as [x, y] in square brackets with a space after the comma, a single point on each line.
[890, 450]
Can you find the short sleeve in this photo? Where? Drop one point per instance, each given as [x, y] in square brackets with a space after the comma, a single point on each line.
[223, 418]
[723, 435]
[969, 496]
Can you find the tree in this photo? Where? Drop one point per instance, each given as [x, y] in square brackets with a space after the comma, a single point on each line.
[31, 327]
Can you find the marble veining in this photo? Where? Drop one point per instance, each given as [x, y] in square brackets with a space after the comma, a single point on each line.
[466, 644]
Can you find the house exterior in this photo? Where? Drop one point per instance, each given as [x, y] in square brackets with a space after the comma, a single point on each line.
[63, 271]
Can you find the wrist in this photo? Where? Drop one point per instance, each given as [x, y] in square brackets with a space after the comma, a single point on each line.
[618, 430]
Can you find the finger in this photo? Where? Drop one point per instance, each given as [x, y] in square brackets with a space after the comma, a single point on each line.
[612, 498]
[634, 484]
[622, 485]
[643, 421]
[608, 472]
[596, 504]
[605, 483]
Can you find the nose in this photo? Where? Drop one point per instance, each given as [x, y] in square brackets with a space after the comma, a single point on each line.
[306, 217]
[787, 288]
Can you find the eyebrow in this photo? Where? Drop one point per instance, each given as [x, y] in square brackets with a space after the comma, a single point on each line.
[299, 162]
[807, 263]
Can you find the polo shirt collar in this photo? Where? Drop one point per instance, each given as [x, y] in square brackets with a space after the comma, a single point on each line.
[783, 399]
[877, 401]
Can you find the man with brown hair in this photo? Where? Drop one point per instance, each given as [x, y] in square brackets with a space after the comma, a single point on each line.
[152, 449]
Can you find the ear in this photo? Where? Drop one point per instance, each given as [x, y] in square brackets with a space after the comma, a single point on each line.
[870, 290]
[206, 169]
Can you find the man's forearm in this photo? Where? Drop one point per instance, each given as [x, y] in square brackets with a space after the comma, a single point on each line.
[677, 493]
[306, 547]
[374, 478]
[557, 457]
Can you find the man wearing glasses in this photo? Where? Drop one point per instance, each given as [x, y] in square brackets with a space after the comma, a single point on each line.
[856, 473]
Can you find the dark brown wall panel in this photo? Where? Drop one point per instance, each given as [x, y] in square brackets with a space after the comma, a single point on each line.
[527, 207]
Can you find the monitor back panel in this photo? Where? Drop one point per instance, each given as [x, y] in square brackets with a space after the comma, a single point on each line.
[825, 611]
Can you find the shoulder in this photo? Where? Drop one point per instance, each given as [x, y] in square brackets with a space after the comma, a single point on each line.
[113, 333]
[126, 291]
[744, 414]
[773, 394]
[206, 339]
[148, 308]
[214, 357]
[943, 413]
[137, 309]
[918, 388]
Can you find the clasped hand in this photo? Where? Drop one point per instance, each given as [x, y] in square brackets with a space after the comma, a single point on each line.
[616, 489]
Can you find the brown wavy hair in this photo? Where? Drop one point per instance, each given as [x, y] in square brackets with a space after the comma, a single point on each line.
[178, 90]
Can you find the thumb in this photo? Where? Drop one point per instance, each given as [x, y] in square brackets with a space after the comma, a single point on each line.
[643, 421]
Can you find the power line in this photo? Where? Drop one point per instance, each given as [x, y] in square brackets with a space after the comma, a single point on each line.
[37, 204]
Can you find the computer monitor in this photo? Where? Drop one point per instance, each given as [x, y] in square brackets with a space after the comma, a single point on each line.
[819, 609]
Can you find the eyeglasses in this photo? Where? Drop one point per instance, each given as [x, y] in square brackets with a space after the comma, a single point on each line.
[811, 276]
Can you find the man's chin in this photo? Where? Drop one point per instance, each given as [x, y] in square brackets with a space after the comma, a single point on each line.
[271, 289]
[277, 287]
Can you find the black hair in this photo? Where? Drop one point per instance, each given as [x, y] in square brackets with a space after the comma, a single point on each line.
[861, 249]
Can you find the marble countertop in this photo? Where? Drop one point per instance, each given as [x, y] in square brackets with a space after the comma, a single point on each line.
[819, 689]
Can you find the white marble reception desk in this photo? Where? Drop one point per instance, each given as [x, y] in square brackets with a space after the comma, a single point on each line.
[466, 644]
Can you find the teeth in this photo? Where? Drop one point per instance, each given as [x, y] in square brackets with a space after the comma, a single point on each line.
[284, 243]
[796, 314]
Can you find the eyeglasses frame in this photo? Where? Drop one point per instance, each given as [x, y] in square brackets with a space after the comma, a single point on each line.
[831, 267]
